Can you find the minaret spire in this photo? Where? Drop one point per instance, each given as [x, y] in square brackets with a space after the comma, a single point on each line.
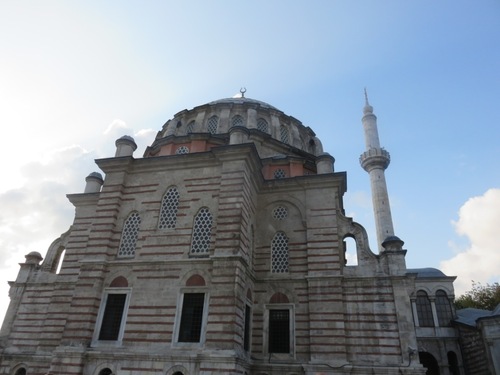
[375, 161]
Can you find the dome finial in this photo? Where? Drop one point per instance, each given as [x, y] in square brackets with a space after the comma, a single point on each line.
[366, 98]
[243, 90]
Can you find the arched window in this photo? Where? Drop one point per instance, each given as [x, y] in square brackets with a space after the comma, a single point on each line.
[279, 173]
[279, 253]
[182, 150]
[168, 211]
[190, 127]
[424, 310]
[262, 125]
[21, 371]
[212, 124]
[284, 134]
[280, 213]
[106, 371]
[202, 232]
[129, 235]
[237, 121]
[443, 308]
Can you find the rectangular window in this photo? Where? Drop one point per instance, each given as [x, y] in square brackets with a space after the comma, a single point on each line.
[246, 335]
[279, 331]
[112, 318]
[191, 317]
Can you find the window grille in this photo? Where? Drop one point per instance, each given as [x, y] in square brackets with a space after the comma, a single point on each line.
[279, 173]
[112, 318]
[279, 331]
[202, 232]
[129, 235]
[280, 213]
[169, 206]
[182, 150]
[283, 134]
[237, 121]
[190, 127]
[191, 317]
[443, 308]
[424, 310]
[262, 125]
[279, 253]
[213, 122]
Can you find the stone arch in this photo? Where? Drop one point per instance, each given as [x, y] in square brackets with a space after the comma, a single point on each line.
[279, 297]
[20, 369]
[195, 280]
[119, 282]
[177, 370]
[55, 252]
[104, 369]
[429, 362]
[195, 276]
[349, 228]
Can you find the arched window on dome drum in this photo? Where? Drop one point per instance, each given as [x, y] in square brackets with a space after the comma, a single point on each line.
[237, 121]
[424, 310]
[129, 235]
[190, 127]
[202, 232]
[213, 123]
[262, 125]
[168, 210]
[443, 309]
[284, 134]
[279, 253]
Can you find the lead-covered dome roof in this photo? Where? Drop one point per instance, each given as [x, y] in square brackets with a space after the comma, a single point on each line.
[271, 130]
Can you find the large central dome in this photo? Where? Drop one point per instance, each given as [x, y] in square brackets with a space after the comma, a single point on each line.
[272, 131]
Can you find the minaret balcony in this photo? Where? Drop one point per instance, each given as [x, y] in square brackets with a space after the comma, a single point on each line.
[374, 158]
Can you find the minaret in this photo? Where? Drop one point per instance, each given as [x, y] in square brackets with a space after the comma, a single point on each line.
[375, 160]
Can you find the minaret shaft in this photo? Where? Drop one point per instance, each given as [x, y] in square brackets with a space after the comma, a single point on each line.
[375, 160]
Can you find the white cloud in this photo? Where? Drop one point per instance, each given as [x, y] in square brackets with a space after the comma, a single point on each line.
[478, 221]
[116, 127]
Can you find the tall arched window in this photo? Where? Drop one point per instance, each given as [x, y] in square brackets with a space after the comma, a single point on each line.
[284, 134]
[212, 124]
[202, 232]
[443, 308]
[168, 211]
[424, 310]
[129, 235]
[262, 125]
[237, 121]
[190, 127]
[279, 253]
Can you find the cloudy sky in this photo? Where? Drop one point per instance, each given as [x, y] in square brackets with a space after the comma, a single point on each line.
[75, 76]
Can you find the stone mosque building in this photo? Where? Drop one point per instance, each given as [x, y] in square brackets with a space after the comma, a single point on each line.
[222, 251]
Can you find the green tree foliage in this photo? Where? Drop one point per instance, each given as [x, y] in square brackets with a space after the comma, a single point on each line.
[485, 297]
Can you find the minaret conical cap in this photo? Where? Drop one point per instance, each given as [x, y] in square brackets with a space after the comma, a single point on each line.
[368, 109]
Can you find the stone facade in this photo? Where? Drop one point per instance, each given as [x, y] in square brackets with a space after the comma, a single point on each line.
[220, 251]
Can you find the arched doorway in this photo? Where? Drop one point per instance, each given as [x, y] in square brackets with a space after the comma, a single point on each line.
[429, 362]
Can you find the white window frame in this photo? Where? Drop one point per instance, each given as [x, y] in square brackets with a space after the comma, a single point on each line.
[118, 342]
[279, 306]
[178, 317]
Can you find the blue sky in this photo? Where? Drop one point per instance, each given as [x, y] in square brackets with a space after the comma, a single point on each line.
[75, 76]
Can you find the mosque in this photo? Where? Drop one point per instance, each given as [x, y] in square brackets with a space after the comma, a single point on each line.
[222, 250]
